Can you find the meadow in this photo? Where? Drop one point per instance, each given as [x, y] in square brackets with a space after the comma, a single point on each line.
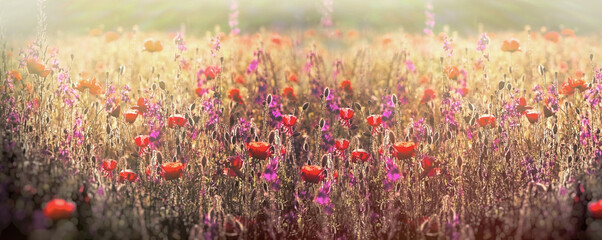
[314, 134]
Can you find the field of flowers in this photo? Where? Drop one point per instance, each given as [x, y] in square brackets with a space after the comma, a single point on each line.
[311, 134]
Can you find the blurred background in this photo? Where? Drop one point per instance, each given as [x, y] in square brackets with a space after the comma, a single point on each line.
[19, 17]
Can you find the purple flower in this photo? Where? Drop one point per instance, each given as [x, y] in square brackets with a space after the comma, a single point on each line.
[552, 90]
[594, 95]
[110, 102]
[125, 93]
[552, 103]
[447, 45]
[199, 75]
[212, 109]
[585, 133]
[410, 66]
[388, 110]
[252, 66]
[322, 197]
[180, 43]
[233, 18]
[420, 128]
[393, 173]
[216, 46]
[483, 41]
[538, 94]
[270, 173]
[78, 131]
[598, 75]
[430, 18]
[211, 228]
[326, 10]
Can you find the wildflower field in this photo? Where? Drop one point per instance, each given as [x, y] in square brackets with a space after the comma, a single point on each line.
[301, 134]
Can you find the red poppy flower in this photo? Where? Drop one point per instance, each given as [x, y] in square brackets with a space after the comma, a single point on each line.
[486, 120]
[566, 89]
[142, 140]
[200, 91]
[346, 114]
[428, 164]
[131, 115]
[361, 155]
[235, 95]
[374, 120]
[94, 87]
[567, 32]
[595, 208]
[95, 32]
[111, 36]
[352, 33]
[293, 77]
[532, 116]
[236, 164]
[386, 41]
[452, 72]
[289, 92]
[151, 46]
[109, 165]
[259, 150]
[211, 72]
[346, 86]
[429, 94]
[552, 36]
[141, 105]
[310, 33]
[276, 39]
[578, 83]
[288, 121]
[424, 79]
[176, 120]
[15, 75]
[340, 146]
[511, 46]
[239, 79]
[172, 170]
[522, 105]
[403, 150]
[463, 91]
[34, 67]
[282, 150]
[312, 173]
[127, 175]
[58, 209]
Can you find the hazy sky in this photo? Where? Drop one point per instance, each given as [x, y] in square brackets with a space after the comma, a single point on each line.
[19, 17]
